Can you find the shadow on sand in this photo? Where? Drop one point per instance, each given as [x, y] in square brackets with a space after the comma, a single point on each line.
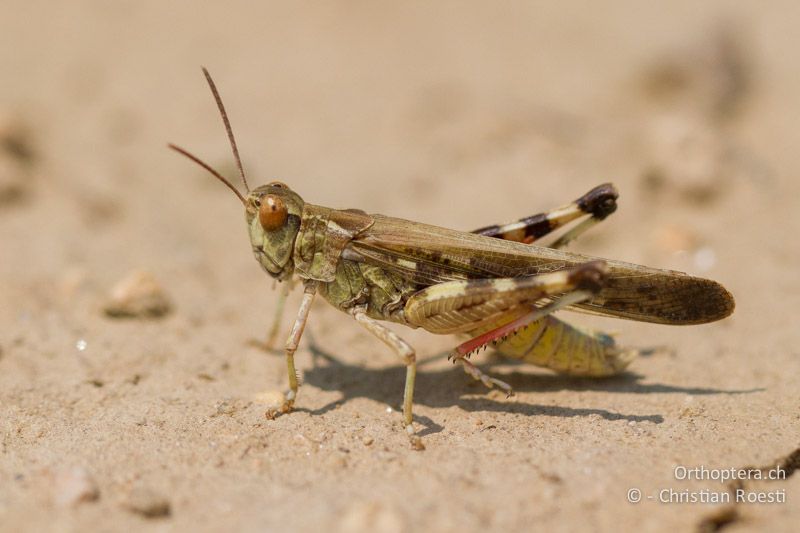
[447, 387]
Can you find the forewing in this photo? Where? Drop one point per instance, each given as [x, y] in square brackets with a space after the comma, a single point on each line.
[428, 255]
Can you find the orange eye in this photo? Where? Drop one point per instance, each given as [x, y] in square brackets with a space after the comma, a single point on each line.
[272, 213]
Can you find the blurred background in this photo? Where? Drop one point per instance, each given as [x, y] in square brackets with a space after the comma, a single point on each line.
[461, 114]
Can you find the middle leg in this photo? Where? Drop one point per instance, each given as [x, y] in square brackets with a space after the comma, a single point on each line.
[406, 353]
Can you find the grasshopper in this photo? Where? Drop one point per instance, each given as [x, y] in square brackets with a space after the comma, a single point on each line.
[496, 284]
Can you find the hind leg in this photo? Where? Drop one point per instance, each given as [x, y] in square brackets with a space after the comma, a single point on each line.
[597, 204]
[504, 305]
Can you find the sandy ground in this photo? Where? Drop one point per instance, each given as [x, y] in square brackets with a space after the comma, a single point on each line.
[453, 114]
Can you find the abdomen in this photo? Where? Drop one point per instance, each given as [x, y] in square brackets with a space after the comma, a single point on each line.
[564, 348]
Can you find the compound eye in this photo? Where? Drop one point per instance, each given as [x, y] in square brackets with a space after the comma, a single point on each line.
[272, 213]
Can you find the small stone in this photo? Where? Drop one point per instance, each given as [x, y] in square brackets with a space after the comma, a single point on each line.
[16, 156]
[74, 486]
[367, 440]
[148, 503]
[138, 295]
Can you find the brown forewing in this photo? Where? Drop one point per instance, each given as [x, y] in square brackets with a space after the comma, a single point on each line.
[429, 254]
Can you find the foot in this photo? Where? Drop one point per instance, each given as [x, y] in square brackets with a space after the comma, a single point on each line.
[414, 439]
[285, 408]
[486, 379]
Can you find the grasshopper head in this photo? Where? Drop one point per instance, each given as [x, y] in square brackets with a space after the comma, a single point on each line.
[273, 219]
[272, 211]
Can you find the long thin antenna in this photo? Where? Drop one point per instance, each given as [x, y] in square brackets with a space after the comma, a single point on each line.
[208, 167]
[228, 128]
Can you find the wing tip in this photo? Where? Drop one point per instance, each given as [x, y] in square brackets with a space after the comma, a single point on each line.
[711, 303]
[727, 303]
[685, 301]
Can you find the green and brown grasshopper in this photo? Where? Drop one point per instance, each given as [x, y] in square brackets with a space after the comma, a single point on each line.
[493, 284]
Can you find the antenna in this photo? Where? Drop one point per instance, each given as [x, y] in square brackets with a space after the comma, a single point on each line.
[228, 128]
[211, 170]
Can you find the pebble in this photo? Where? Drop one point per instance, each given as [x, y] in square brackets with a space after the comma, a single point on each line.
[148, 503]
[74, 486]
[137, 295]
[16, 156]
